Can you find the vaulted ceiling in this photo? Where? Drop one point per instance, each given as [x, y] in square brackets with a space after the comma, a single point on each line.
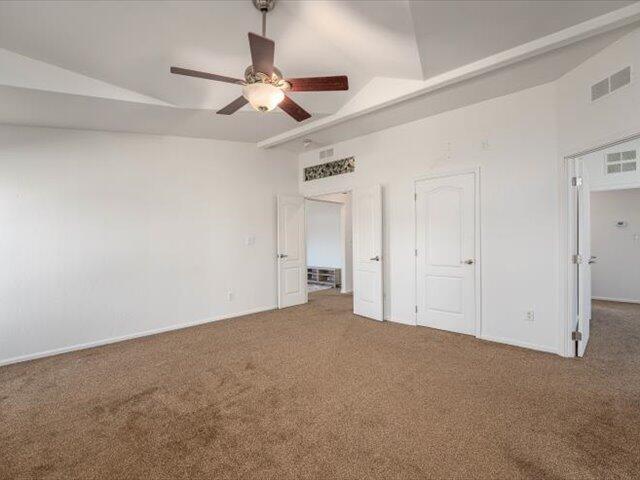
[105, 65]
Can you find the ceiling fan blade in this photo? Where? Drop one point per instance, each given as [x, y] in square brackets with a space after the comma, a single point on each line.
[233, 107]
[293, 109]
[318, 84]
[262, 51]
[208, 76]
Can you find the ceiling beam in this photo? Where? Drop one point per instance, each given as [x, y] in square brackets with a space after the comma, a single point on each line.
[595, 26]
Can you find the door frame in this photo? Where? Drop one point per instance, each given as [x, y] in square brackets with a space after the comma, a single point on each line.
[478, 256]
[567, 222]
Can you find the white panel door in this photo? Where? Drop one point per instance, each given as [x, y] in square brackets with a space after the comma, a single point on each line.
[367, 252]
[584, 252]
[292, 258]
[446, 253]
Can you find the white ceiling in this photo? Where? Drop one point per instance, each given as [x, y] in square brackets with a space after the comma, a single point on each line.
[452, 34]
[105, 65]
[522, 75]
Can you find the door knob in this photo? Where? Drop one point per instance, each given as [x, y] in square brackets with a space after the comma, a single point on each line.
[592, 259]
[282, 255]
[467, 262]
[376, 258]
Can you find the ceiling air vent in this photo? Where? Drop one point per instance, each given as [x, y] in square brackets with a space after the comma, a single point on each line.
[621, 162]
[326, 153]
[611, 84]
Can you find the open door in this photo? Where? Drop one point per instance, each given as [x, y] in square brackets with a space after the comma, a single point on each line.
[292, 257]
[583, 255]
[367, 252]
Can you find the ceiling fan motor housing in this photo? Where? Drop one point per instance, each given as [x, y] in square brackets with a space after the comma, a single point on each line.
[276, 79]
[264, 5]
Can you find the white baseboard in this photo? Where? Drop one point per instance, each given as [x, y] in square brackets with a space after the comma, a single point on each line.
[489, 338]
[621, 300]
[107, 341]
[518, 343]
[402, 322]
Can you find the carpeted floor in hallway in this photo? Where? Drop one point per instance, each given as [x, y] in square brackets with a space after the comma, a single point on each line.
[314, 392]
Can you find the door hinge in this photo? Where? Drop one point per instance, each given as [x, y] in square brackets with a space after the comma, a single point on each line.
[416, 308]
[576, 336]
[576, 181]
[416, 252]
[415, 197]
[577, 259]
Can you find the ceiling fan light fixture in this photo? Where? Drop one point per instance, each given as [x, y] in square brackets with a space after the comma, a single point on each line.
[263, 97]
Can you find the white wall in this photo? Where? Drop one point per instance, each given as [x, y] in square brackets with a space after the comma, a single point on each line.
[324, 239]
[584, 124]
[616, 275]
[106, 235]
[596, 166]
[513, 139]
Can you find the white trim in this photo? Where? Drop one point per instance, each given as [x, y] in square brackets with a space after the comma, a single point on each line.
[611, 188]
[603, 143]
[621, 300]
[603, 23]
[410, 323]
[478, 225]
[313, 199]
[566, 309]
[146, 333]
[518, 343]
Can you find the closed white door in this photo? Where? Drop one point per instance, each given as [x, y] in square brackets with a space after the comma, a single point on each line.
[584, 254]
[292, 258]
[367, 252]
[446, 253]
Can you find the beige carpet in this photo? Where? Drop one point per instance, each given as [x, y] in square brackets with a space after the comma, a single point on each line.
[315, 392]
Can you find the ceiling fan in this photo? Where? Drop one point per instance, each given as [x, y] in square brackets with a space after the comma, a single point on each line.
[263, 86]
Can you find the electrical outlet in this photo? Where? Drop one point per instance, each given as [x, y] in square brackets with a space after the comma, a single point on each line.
[529, 316]
[230, 295]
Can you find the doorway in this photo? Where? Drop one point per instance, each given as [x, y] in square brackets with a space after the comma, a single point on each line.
[604, 237]
[329, 242]
[362, 269]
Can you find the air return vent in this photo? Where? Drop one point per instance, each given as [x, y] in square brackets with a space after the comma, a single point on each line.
[600, 89]
[611, 84]
[620, 79]
[621, 162]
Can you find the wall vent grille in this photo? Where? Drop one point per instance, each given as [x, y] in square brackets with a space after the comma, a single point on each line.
[620, 79]
[611, 84]
[600, 89]
[621, 162]
[329, 169]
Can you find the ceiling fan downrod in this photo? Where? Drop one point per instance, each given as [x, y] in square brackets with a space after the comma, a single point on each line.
[264, 6]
